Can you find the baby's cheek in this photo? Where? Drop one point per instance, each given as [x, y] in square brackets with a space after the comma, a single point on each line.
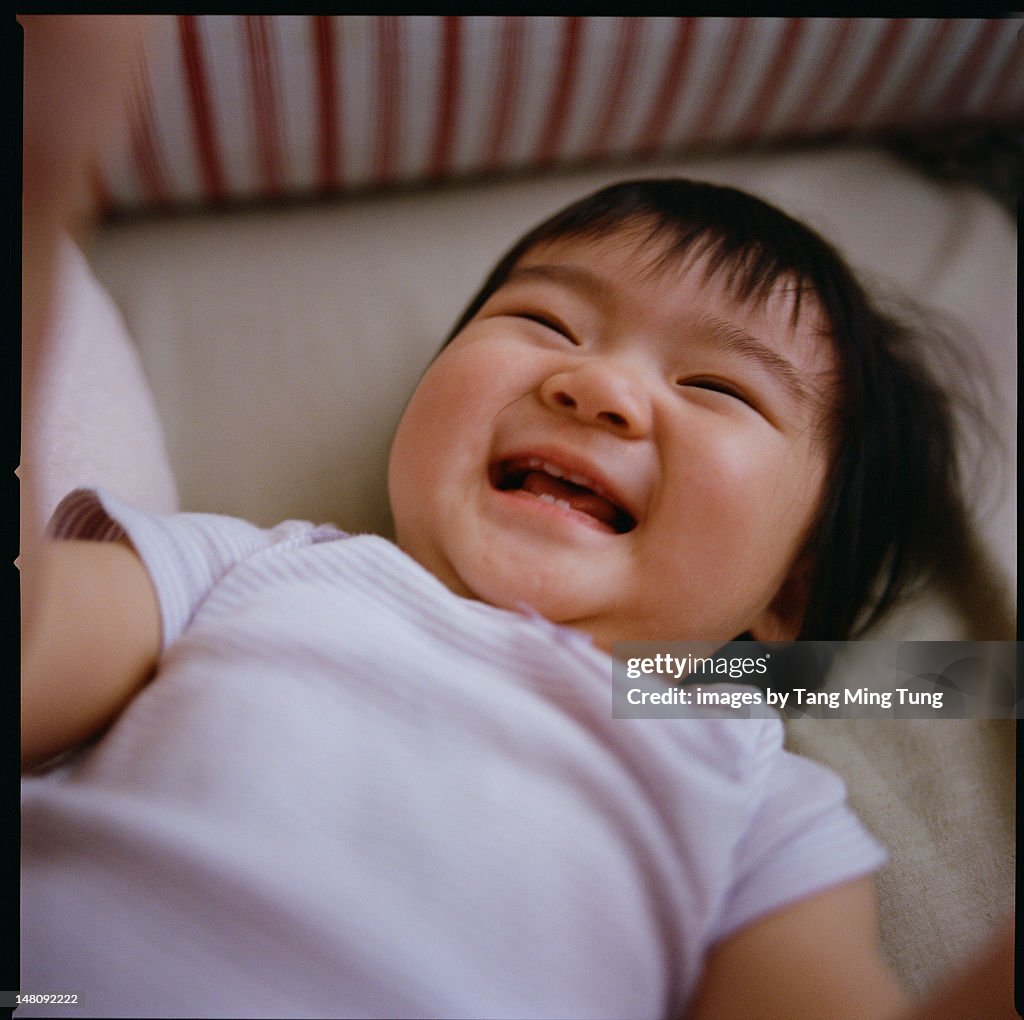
[412, 467]
[728, 475]
[741, 502]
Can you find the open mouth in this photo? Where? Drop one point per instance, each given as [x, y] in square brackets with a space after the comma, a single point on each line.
[570, 491]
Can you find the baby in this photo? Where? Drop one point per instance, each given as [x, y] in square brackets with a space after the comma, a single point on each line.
[326, 775]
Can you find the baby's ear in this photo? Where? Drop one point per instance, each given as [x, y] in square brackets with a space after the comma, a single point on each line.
[783, 617]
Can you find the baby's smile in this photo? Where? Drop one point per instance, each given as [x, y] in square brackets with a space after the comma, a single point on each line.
[597, 444]
[591, 502]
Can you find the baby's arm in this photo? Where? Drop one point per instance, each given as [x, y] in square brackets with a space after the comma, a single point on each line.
[77, 75]
[88, 612]
[820, 958]
[94, 644]
[816, 958]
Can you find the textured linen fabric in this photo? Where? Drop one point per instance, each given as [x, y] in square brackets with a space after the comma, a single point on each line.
[89, 417]
[941, 795]
[248, 106]
[349, 792]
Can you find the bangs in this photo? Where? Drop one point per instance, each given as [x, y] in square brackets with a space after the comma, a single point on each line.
[893, 514]
[754, 249]
[751, 247]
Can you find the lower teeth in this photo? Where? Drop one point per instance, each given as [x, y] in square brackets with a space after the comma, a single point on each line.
[548, 498]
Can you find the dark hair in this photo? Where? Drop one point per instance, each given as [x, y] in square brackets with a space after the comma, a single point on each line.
[893, 505]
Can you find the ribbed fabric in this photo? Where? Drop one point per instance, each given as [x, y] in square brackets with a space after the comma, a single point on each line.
[349, 792]
[256, 106]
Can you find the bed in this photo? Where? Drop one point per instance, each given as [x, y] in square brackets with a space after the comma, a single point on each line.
[303, 204]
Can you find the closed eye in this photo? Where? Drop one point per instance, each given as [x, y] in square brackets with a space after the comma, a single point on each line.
[717, 386]
[549, 323]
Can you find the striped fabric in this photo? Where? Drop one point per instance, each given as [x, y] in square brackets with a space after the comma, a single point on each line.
[263, 106]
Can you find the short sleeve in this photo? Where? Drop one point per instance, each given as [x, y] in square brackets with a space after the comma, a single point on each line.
[185, 554]
[802, 837]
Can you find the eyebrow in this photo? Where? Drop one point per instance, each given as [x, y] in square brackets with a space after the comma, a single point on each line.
[731, 339]
[578, 277]
[716, 332]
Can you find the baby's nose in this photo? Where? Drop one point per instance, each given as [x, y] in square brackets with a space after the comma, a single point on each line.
[605, 395]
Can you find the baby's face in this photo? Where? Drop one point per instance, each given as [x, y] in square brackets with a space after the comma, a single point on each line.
[628, 451]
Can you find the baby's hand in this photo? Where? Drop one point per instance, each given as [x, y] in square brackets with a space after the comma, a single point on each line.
[94, 644]
[78, 70]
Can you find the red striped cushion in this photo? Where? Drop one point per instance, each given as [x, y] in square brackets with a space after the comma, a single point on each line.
[251, 106]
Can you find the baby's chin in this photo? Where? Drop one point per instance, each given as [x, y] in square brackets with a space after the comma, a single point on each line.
[587, 599]
[604, 626]
[520, 591]
[435, 563]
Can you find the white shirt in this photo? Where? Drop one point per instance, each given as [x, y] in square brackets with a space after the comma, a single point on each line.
[350, 792]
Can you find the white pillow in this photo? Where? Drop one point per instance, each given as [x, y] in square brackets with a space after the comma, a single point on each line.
[90, 419]
[282, 342]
